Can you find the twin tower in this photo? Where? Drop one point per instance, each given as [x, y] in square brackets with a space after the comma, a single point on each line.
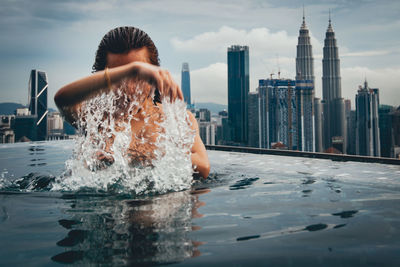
[328, 127]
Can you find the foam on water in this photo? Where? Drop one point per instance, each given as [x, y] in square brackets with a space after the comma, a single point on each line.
[4, 183]
[157, 166]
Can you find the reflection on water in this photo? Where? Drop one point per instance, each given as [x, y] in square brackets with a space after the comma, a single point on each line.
[243, 184]
[346, 214]
[37, 151]
[125, 232]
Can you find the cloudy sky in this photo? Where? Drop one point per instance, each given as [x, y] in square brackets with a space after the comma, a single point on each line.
[61, 37]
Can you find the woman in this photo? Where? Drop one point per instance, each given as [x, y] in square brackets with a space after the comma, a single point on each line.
[129, 53]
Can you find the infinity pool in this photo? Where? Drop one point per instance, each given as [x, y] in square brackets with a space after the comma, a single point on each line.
[254, 210]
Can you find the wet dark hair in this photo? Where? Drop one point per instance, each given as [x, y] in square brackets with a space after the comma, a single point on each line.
[121, 40]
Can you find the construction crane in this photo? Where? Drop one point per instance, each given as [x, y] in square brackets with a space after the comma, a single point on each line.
[279, 67]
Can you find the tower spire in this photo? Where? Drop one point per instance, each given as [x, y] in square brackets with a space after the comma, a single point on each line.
[329, 16]
[304, 93]
[334, 122]
[304, 59]
[330, 22]
[303, 25]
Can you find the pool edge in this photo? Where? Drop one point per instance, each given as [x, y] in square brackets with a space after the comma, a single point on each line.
[291, 153]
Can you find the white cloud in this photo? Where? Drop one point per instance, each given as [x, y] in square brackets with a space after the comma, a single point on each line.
[385, 79]
[260, 41]
[209, 84]
[370, 53]
[264, 49]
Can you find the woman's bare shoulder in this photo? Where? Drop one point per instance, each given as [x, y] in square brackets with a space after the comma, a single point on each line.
[192, 120]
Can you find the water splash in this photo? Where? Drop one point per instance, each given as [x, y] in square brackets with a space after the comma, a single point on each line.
[4, 183]
[125, 146]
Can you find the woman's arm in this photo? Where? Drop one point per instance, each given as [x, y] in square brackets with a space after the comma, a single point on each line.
[70, 96]
[199, 153]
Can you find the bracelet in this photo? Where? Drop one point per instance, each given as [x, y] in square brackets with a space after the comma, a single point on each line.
[107, 78]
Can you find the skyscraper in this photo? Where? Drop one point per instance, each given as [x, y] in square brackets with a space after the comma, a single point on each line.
[207, 128]
[254, 136]
[221, 135]
[207, 131]
[333, 107]
[304, 58]
[185, 84]
[318, 124]
[263, 114]
[305, 115]
[277, 113]
[305, 91]
[385, 129]
[203, 115]
[347, 112]
[351, 133]
[395, 114]
[367, 122]
[25, 128]
[238, 90]
[38, 102]
[7, 134]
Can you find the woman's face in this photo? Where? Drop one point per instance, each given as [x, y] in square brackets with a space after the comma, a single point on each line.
[140, 54]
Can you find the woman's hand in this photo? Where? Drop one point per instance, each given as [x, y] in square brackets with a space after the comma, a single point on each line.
[70, 96]
[159, 78]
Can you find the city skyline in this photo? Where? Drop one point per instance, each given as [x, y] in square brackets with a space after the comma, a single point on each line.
[43, 35]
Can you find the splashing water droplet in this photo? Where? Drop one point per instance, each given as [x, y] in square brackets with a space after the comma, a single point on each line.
[126, 146]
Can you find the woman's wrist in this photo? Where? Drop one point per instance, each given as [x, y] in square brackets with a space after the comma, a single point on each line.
[107, 78]
[133, 69]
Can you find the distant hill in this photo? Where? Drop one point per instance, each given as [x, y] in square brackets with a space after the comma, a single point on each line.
[213, 107]
[9, 108]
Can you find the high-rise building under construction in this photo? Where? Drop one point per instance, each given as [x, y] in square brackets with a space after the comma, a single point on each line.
[277, 113]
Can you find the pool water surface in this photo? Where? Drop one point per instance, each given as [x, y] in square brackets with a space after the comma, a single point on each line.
[254, 210]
